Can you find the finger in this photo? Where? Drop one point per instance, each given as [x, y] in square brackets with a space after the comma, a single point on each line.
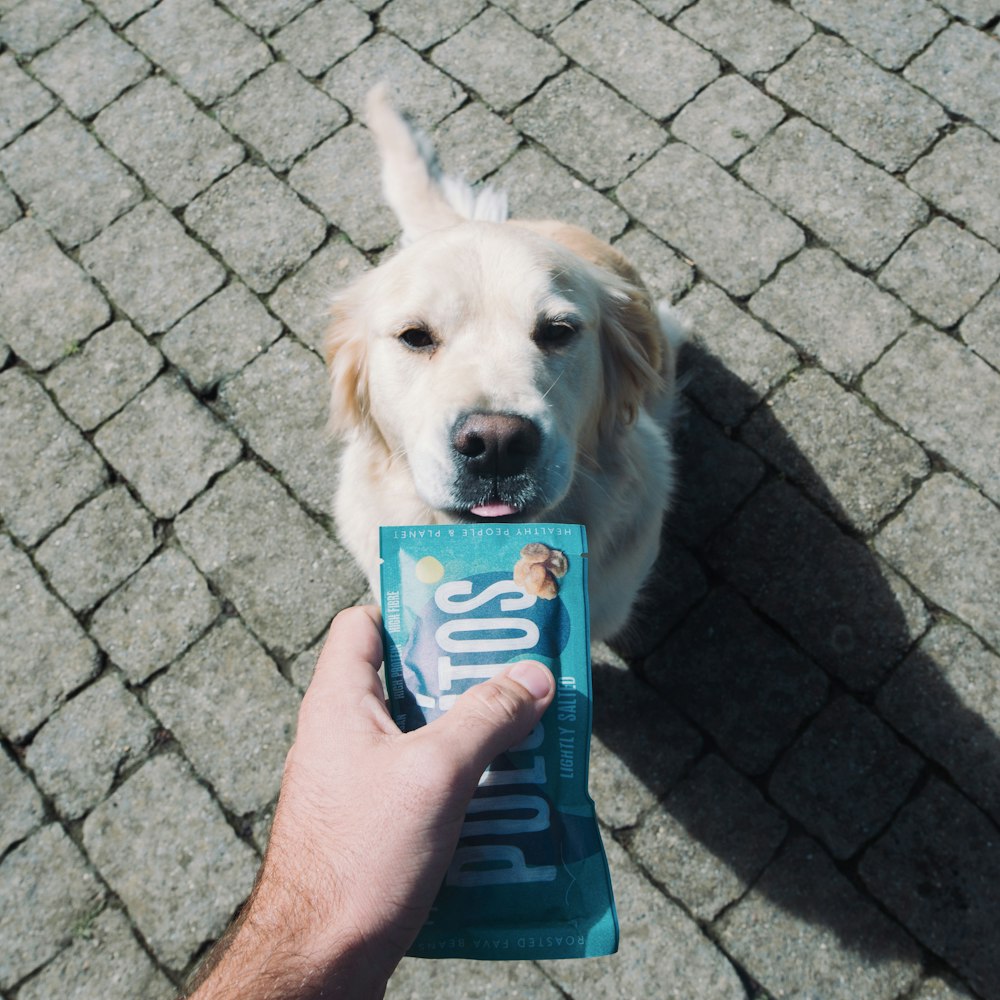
[493, 716]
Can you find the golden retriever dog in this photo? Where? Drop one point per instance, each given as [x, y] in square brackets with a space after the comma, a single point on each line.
[496, 370]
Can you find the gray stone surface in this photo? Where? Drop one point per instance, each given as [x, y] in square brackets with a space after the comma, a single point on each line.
[942, 271]
[167, 445]
[33, 25]
[283, 573]
[162, 844]
[267, 15]
[10, 210]
[155, 615]
[233, 714]
[607, 138]
[24, 101]
[958, 176]
[100, 545]
[736, 237]
[945, 396]
[258, 225]
[710, 838]
[48, 467]
[219, 337]
[831, 312]
[151, 267]
[473, 142]
[665, 273]
[653, 66]
[859, 210]
[804, 930]
[976, 12]
[90, 68]
[416, 979]
[946, 523]
[23, 809]
[99, 379]
[160, 133]
[423, 23]
[77, 755]
[981, 329]
[321, 35]
[47, 890]
[538, 15]
[47, 304]
[118, 12]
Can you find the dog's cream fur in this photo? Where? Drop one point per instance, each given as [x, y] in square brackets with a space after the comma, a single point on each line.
[480, 289]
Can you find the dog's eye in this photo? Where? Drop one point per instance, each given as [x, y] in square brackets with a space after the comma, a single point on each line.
[553, 333]
[417, 338]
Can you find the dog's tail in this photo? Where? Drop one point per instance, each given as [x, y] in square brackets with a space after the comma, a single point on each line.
[423, 197]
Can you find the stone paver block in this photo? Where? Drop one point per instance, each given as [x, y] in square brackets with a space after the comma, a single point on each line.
[419, 88]
[804, 930]
[735, 236]
[151, 267]
[105, 962]
[279, 568]
[587, 126]
[10, 210]
[48, 467]
[165, 848]
[155, 615]
[233, 713]
[934, 869]
[640, 745]
[876, 113]
[946, 397]
[831, 444]
[219, 337]
[472, 142]
[745, 683]
[845, 776]
[90, 68]
[538, 15]
[23, 809]
[831, 312]
[958, 176]
[659, 944]
[97, 381]
[416, 979]
[961, 68]
[891, 32]
[167, 445]
[753, 35]
[734, 361]
[101, 544]
[118, 12]
[303, 666]
[710, 838]
[981, 328]
[258, 225]
[337, 177]
[862, 212]
[665, 273]
[267, 15]
[160, 133]
[947, 541]
[22, 100]
[726, 119]
[279, 404]
[977, 12]
[205, 50]
[47, 304]
[539, 188]
[942, 271]
[650, 64]
[47, 890]
[35, 24]
[478, 56]
[843, 606]
[78, 753]
[938, 988]
[945, 698]
[326, 32]
[281, 115]
[74, 204]
[423, 23]
[303, 300]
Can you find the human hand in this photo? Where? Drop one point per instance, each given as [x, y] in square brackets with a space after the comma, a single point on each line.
[366, 824]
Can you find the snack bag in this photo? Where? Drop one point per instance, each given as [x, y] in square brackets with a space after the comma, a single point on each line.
[529, 878]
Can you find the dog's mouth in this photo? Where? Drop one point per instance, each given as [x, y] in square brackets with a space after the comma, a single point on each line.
[491, 511]
[516, 504]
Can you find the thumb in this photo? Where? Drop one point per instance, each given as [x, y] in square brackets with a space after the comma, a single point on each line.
[495, 715]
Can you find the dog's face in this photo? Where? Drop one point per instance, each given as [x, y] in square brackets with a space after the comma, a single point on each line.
[485, 358]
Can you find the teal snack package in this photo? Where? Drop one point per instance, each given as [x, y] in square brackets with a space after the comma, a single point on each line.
[529, 878]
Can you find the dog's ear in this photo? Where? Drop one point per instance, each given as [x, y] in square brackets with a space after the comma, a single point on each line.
[345, 350]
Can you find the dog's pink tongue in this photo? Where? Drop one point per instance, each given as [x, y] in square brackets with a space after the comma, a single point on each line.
[493, 510]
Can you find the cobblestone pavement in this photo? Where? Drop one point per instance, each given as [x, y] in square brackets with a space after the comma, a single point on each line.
[797, 751]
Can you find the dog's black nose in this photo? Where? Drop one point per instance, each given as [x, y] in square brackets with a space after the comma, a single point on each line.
[495, 445]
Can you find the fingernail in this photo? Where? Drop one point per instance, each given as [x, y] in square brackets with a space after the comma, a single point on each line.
[533, 676]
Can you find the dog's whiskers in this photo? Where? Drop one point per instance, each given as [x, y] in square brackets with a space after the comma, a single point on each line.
[553, 385]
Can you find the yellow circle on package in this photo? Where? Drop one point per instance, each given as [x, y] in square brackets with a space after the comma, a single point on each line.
[428, 570]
